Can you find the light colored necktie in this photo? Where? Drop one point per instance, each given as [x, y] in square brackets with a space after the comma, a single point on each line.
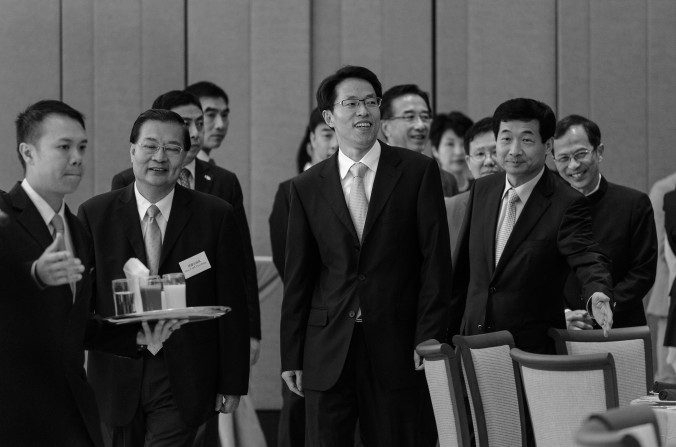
[184, 178]
[357, 203]
[507, 224]
[153, 240]
[59, 228]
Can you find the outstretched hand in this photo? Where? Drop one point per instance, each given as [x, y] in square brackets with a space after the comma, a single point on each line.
[601, 311]
[55, 268]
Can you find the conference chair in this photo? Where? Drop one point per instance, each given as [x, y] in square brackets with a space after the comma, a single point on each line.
[563, 390]
[631, 349]
[444, 381]
[634, 425]
[494, 389]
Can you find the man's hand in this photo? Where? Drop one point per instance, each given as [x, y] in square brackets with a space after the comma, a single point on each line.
[578, 319]
[254, 350]
[55, 268]
[294, 380]
[417, 361]
[227, 403]
[600, 308]
[160, 333]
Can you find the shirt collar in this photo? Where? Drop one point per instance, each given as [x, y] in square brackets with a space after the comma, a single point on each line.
[526, 189]
[191, 167]
[164, 204]
[598, 185]
[203, 156]
[46, 211]
[370, 159]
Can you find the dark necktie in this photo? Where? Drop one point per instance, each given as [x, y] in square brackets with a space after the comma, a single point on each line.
[212, 162]
[153, 240]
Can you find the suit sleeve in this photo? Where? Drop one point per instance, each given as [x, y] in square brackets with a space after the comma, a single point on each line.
[584, 256]
[233, 328]
[434, 300]
[643, 255]
[461, 271]
[301, 270]
[118, 182]
[279, 218]
[251, 276]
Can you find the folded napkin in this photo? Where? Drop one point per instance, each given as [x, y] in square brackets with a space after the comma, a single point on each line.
[659, 386]
[668, 394]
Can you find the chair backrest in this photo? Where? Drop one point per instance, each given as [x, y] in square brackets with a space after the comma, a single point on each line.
[631, 349]
[494, 389]
[635, 425]
[563, 390]
[442, 370]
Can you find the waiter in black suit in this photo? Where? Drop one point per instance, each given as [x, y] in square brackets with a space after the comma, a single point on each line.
[208, 178]
[670, 228]
[622, 224]
[165, 396]
[46, 282]
[524, 231]
[366, 277]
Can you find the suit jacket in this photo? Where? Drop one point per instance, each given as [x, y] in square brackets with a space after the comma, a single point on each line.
[624, 227]
[449, 184]
[279, 222]
[456, 208]
[222, 183]
[524, 292]
[43, 386]
[203, 358]
[399, 276]
[670, 228]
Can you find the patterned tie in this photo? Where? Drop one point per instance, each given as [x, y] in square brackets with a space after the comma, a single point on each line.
[153, 240]
[184, 178]
[357, 203]
[59, 228]
[507, 224]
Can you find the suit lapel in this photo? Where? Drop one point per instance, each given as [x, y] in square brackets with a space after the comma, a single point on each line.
[128, 219]
[491, 214]
[387, 176]
[203, 177]
[80, 247]
[332, 190]
[537, 204]
[180, 214]
[28, 216]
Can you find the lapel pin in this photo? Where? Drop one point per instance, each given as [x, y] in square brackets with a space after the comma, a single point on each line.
[208, 177]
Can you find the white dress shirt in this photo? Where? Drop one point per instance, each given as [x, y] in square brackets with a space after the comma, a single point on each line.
[370, 159]
[203, 156]
[47, 214]
[524, 191]
[162, 218]
[191, 167]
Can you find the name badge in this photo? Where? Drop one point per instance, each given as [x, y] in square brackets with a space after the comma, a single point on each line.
[194, 265]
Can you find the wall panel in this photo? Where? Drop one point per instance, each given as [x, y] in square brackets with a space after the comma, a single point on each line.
[362, 34]
[451, 55]
[325, 42]
[573, 57]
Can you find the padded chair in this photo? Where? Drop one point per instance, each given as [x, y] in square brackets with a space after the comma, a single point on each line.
[494, 389]
[442, 370]
[634, 425]
[631, 349]
[563, 390]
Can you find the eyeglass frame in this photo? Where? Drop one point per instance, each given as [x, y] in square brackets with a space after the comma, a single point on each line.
[493, 155]
[575, 157]
[377, 99]
[167, 151]
[413, 117]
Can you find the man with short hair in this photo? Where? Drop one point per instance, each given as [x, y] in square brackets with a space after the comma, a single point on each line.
[622, 224]
[216, 108]
[162, 398]
[481, 158]
[46, 284]
[367, 276]
[525, 230]
[405, 119]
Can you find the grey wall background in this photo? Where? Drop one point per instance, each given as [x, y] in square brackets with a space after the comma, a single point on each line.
[612, 60]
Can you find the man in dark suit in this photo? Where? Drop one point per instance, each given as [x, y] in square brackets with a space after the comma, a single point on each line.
[216, 108]
[367, 277]
[670, 229]
[481, 158]
[524, 231]
[210, 179]
[322, 144]
[406, 116]
[46, 282]
[622, 224]
[163, 397]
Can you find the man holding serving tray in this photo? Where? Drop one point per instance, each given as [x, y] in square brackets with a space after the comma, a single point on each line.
[163, 397]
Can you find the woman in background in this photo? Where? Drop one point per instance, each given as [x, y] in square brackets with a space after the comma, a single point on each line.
[446, 137]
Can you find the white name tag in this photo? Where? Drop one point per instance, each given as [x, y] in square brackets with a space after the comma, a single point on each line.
[194, 265]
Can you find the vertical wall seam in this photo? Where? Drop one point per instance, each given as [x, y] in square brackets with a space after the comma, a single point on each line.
[185, 43]
[311, 52]
[647, 94]
[434, 57]
[589, 59]
[556, 59]
[61, 50]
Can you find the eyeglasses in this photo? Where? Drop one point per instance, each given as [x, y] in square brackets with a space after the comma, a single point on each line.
[352, 104]
[411, 117]
[577, 156]
[481, 156]
[171, 150]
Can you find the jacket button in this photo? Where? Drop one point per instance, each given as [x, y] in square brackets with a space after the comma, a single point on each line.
[480, 326]
[491, 290]
[361, 277]
[351, 314]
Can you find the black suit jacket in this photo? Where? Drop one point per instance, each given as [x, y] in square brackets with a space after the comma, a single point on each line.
[670, 227]
[43, 386]
[279, 222]
[399, 276]
[624, 226]
[203, 358]
[222, 183]
[524, 292]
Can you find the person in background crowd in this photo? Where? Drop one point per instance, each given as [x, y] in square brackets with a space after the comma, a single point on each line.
[405, 119]
[446, 137]
[216, 109]
[622, 224]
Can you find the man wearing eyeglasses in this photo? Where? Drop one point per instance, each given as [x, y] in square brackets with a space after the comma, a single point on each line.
[622, 223]
[162, 398]
[366, 278]
[406, 117]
